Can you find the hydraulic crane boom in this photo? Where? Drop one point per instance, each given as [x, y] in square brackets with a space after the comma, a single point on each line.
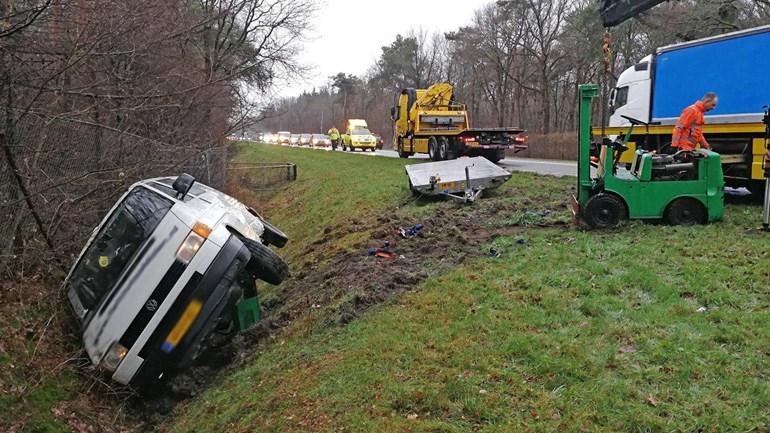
[614, 12]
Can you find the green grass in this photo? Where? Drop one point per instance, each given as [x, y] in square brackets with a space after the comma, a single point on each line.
[647, 329]
[332, 189]
[30, 386]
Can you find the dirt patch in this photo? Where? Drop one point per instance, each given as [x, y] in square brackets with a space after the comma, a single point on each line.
[348, 284]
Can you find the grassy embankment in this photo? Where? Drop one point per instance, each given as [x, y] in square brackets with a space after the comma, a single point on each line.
[647, 328]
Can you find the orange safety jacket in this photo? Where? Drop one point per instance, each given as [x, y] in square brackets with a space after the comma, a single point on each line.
[688, 131]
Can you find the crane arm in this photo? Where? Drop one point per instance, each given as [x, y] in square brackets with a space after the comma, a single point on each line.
[614, 12]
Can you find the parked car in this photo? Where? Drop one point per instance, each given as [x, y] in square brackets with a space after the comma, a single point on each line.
[321, 140]
[294, 140]
[270, 138]
[284, 137]
[379, 141]
[304, 139]
[172, 264]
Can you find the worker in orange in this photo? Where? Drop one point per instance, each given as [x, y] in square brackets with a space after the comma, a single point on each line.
[688, 131]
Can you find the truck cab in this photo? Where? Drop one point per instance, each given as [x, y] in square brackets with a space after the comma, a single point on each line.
[631, 96]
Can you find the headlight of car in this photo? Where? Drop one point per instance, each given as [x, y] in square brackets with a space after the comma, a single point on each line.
[192, 243]
[114, 355]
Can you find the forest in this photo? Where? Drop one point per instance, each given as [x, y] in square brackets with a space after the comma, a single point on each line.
[516, 63]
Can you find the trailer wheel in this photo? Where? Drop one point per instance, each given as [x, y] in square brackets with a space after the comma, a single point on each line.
[604, 211]
[413, 190]
[685, 211]
[433, 150]
[443, 148]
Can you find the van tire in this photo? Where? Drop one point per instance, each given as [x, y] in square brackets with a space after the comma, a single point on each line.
[264, 263]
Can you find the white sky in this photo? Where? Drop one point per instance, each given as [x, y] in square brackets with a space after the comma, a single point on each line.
[347, 35]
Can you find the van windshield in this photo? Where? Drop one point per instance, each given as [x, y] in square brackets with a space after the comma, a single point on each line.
[131, 223]
[361, 132]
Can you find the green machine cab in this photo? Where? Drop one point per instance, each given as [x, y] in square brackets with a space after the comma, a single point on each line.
[680, 189]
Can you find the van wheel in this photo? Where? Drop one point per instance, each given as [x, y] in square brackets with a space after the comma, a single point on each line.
[264, 263]
[604, 211]
[685, 211]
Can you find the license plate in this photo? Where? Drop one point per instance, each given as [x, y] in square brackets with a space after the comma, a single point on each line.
[451, 185]
[182, 326]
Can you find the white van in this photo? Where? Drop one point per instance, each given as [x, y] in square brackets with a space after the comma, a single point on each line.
[172, 263]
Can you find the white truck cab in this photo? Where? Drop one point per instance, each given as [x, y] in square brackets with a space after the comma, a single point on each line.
[631, 96]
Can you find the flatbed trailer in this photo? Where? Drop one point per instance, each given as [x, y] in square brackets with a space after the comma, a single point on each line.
[462, 179]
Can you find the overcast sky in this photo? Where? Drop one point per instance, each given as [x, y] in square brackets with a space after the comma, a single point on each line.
[347, 35]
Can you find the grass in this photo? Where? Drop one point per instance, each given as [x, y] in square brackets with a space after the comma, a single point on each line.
[31, 385]
[332, 189]
[647, 329]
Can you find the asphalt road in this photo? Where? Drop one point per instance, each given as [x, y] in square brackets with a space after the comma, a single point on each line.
[540, 166]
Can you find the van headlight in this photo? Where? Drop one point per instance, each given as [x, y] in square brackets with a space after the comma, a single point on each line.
[192, 243]
[114, 356]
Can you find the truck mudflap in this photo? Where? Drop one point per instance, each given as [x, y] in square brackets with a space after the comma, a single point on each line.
[495, 139]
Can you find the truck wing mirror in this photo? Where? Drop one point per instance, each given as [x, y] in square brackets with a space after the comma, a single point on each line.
[395, 112]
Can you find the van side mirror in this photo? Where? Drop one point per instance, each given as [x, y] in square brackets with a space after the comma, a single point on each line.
[182, 185]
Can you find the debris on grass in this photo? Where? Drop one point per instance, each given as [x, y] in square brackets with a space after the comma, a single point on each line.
[410, 232]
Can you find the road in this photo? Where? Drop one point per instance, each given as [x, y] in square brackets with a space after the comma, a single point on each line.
[532, 165]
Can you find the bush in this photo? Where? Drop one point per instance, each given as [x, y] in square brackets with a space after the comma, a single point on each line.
[559, 145]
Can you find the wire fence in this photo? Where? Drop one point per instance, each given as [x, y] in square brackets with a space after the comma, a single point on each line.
[59, 177]
[261, 176]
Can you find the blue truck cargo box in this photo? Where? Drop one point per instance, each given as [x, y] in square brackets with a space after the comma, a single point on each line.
[734, 66]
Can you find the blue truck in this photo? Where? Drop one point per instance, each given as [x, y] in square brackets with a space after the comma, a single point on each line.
[657, 88]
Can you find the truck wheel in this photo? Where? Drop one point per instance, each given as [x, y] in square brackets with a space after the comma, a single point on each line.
[757, 189]
[443, 148]
[433, 151]
[685, 211]
[264, 263]
[604, 211]
[401, 153]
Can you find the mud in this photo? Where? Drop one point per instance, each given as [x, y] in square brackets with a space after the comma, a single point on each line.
[346, 285]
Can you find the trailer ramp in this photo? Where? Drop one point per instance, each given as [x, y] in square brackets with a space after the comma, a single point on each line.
[462, 179]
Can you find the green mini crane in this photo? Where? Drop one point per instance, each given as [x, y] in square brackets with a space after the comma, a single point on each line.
[680, 189]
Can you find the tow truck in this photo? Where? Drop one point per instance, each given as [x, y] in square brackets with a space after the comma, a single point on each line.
[431, 121]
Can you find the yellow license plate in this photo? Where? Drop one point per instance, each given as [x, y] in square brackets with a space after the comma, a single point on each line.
[182, 326]
[451, 185]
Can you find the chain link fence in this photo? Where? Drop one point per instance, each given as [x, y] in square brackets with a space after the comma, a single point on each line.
[59, 177]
